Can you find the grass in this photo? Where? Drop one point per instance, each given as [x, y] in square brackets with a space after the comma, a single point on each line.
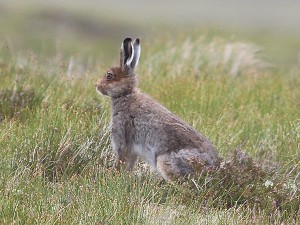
[55, 155]
[55, 151]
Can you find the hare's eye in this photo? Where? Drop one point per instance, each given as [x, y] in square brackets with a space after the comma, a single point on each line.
[109, 76]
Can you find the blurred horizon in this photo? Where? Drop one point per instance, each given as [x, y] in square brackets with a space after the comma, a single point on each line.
[269, 15]
[97, 26]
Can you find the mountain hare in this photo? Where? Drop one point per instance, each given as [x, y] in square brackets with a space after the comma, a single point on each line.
[141, 127]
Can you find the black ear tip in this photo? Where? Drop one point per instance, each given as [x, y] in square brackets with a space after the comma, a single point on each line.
[137, 41]
[127, 40]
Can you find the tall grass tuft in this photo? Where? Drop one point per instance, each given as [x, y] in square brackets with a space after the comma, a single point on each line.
[199, 56]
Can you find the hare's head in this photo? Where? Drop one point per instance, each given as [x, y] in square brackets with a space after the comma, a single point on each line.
[121, 80]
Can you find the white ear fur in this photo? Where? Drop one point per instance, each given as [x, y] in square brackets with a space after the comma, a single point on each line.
[129, 60]
[122, 55]
[137, 53]
[130, 54]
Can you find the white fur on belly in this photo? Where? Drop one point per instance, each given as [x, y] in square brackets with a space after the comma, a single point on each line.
[146, 154]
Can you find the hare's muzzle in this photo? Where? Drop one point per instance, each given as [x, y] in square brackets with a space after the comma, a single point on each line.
[100, 88]
[97, 86]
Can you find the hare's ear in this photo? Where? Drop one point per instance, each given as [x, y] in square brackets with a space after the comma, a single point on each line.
[137, 52]
[126, 56]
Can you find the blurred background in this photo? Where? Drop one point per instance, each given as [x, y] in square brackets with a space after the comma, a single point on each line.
[96, 28]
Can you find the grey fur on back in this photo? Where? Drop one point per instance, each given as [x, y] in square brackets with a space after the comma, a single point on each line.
[141, 127]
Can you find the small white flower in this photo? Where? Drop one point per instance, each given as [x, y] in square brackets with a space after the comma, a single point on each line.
[222, 165]
[268, 183]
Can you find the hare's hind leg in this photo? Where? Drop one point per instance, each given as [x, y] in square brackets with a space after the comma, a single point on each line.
[172, 166]
[182, 163]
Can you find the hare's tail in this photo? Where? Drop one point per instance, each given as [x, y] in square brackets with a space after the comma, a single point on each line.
[185, 162]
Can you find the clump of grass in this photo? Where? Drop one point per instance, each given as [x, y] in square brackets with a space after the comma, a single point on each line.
[241, 181]
[18, 101]
[258, 184]
[61, 143]
[201, 55]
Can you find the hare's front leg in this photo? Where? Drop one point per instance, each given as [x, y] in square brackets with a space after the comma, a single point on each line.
[119, 147]
[130, 160]
[124, 157]
[120, 144]
[123, 154]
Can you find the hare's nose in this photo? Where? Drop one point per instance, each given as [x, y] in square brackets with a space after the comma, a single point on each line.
[96, 85]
